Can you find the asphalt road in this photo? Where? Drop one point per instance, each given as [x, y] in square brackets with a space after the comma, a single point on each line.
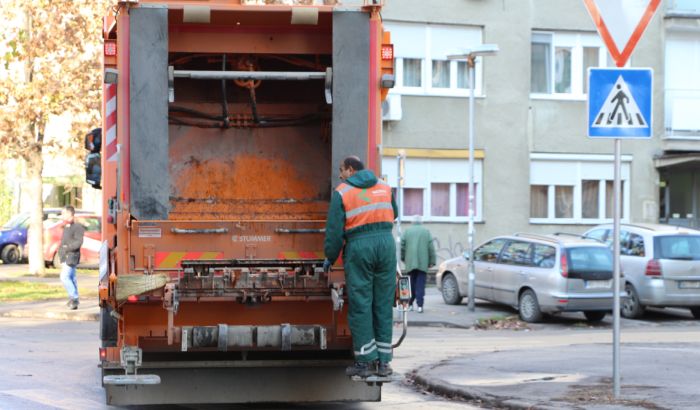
[53, 364]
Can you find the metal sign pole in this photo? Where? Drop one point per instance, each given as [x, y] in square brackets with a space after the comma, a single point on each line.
[472, 276]
[616, 274]
[400, 175]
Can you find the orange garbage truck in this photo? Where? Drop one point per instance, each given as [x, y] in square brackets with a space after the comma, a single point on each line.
[223, 124]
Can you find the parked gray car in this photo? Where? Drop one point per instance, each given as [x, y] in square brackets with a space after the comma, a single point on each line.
[661, 264]
[536, 274]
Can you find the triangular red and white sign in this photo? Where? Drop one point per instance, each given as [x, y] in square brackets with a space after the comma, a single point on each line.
[621, 24]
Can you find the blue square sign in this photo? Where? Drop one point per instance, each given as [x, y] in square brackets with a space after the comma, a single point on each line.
[620, 102]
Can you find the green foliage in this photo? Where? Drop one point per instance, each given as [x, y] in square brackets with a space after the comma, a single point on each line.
[6, 210]
[19, 291]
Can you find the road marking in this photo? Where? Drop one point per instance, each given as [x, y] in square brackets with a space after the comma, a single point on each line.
[49, 399]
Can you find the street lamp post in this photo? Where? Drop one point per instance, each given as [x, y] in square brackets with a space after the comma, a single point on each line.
[470, 56]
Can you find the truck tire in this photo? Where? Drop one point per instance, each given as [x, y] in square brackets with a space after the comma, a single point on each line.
[10, 254]
[108, 327]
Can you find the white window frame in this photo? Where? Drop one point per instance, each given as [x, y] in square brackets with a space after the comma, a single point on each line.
[577, 41]
[422, 172]
[426, 88]
[570, 170]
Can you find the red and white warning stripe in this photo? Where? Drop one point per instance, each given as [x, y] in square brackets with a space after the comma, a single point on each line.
[111, 122]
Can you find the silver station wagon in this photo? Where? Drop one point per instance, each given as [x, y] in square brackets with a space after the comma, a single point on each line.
[661, 264]
[536, 274]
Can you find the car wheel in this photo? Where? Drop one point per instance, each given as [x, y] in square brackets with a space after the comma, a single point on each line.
[56, 260]
[10, 254]
[631, 308]
[529, 307]
[450, 290]
[594, 316]
[695, 310]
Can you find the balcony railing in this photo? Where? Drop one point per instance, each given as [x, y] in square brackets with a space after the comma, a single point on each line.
[683, 7]
[682, 108]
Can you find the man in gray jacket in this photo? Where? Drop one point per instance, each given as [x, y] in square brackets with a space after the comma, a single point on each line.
[418, 253]
[69, 254]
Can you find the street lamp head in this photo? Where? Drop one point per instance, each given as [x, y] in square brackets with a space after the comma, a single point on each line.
[479, 50]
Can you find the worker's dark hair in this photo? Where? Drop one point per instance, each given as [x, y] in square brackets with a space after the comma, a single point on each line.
[353, 162]
[70, 209]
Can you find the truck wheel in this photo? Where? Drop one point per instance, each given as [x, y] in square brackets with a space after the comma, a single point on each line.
[594, 316]
[108, 327]
[631, 308]
[450, 290]
[529, 307]
[10, 254]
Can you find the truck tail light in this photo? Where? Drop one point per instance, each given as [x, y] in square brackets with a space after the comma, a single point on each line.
[387, 51]
[103, 354]
[132, 299]
[653, 268]
[110, 48]
[564, 265]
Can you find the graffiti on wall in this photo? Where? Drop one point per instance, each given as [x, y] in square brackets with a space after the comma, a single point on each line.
[447, 250]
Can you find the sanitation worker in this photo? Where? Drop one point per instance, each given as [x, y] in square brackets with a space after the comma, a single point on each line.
[360, 222]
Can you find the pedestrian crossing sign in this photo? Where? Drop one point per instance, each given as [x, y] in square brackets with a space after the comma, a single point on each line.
[620, 102]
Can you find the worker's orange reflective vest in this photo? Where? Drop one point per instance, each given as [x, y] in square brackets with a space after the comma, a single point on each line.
[366, 205]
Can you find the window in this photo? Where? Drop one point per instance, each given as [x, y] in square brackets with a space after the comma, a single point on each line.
[543, 256]
[610, 196]
[632, 245]
[412, 72]
[440, 199]
[91, 224]
[598, 234]
[564, 201]
[422, 67]
[682, 83]
[575, 188]
[437, 188]
[463, 199]
[489, 251]
[517, 253]
[412, 201]
[559, 62]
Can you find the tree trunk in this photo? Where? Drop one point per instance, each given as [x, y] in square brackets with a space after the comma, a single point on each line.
[34, 191]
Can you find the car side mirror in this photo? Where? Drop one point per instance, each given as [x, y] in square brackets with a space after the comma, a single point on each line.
[465, 254]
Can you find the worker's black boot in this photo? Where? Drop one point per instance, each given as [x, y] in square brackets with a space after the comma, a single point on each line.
[362, 369]
[383, 369]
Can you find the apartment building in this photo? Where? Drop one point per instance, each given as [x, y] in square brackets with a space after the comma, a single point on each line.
[536, 169]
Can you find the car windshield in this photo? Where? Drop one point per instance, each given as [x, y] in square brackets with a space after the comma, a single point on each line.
[681, 247]
[15, 221]
[590, 259]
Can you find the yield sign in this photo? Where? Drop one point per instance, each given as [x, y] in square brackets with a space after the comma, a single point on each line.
[621, 23]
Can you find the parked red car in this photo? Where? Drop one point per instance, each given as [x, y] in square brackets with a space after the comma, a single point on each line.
[89, 252]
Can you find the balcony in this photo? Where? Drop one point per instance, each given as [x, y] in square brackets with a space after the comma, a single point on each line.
[683, 8]
[682, 120]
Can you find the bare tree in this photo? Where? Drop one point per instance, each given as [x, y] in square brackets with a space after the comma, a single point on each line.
[51, 65]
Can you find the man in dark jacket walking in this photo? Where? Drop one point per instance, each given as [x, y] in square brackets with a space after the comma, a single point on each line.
[69, 254]
[360, 221]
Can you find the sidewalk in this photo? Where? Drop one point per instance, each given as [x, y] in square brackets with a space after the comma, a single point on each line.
[48, 309]
[575, 377]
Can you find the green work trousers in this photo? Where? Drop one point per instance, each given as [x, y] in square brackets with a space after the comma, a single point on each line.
[370, 275]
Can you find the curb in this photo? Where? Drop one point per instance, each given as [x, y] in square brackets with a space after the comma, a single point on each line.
[30, 314]
[437, 323]
[449, 390]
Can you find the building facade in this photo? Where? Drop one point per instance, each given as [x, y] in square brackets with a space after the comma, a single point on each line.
[536, 169]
